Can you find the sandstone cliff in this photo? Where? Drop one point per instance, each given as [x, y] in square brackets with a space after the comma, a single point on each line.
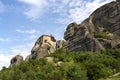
[45, 45]
[100, 31]
[60, 44]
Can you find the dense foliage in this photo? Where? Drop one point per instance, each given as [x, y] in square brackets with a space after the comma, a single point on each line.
[101, 35]
[74, 66]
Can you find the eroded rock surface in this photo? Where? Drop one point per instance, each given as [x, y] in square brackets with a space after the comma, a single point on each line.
[100, 31]
[45, 45]
[60, 44]
[16, 60]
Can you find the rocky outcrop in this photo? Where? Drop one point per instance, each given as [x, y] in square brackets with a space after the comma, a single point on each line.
[16, 60]
[28, 57]
[60, 44]
[118, 0]
[45, 45]
[100, 31]
[107, 17]
[50, 59]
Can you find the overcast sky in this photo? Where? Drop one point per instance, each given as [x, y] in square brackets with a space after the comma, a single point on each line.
[22, 22]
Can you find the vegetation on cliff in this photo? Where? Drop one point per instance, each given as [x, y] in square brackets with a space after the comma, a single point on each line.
[74, 66]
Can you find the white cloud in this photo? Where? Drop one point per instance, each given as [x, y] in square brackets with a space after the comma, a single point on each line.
[69, 10]
[4, 39]
[76, 10]
[20, 31]
[79, 10]
[5, 60]
[30, 37]
[35, 8]
[31, 2]
[24, 49]
[29, 31]
[28, 34]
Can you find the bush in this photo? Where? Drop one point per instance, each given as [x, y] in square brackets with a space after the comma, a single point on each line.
[75, 66]
[101, 35]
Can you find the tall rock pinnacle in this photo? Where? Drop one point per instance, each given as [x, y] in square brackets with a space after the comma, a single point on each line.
[100, 31]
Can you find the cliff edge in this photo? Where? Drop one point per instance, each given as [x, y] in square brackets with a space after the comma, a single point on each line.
[100, 31]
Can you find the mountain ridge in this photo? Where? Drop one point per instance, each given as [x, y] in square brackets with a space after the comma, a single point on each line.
[100, 31]
[90, 51]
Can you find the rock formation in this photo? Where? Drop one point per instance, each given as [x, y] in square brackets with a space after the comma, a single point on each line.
[45, 45]
[60, 44]
[16, 60]
[28, 57]
[118, 0]
[100, 31]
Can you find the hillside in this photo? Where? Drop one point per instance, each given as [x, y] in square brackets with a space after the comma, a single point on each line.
[90, 51]
[67, 66]
[113, 77]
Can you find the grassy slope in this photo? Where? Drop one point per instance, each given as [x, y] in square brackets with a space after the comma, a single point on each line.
[75, 66]
[113, 77]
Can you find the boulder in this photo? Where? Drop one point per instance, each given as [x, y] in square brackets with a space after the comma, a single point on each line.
[50, 59]
[16, 60]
